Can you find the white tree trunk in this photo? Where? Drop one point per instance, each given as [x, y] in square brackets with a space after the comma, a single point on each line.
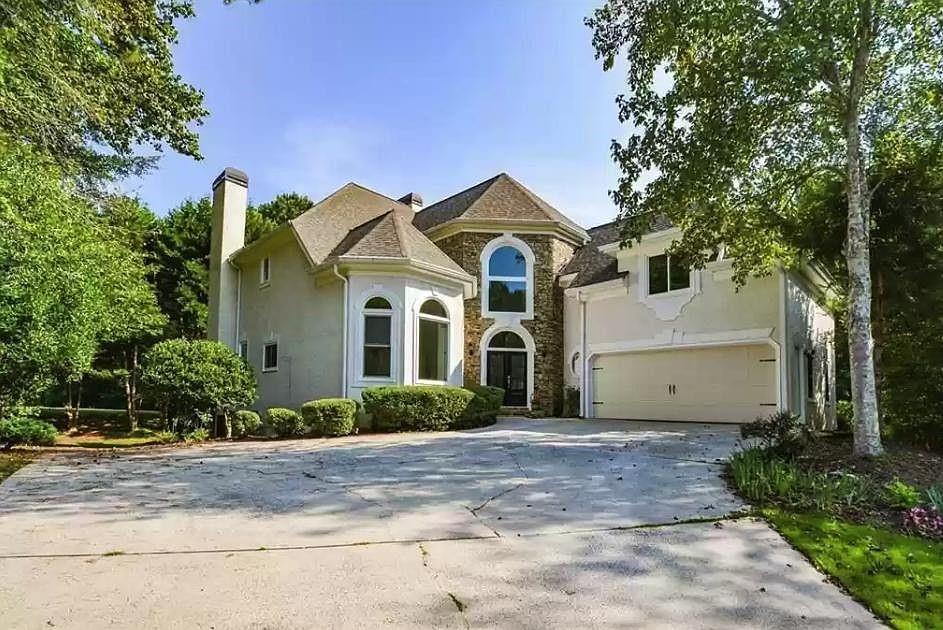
[867, 434]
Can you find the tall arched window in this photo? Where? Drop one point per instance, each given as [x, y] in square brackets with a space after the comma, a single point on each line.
[377, 337]
[433, 342]
[506, 280]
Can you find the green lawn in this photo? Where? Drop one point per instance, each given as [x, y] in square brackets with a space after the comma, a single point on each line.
[12, 461]
[108, 438]
[899, 577]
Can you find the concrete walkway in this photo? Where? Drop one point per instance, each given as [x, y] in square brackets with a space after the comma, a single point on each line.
[530, 523]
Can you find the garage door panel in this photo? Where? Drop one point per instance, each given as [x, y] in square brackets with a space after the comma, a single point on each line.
[719, 384]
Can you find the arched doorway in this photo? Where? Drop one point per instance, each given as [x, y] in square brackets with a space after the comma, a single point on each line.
[507, 367]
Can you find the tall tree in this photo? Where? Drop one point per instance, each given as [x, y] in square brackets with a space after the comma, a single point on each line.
[89, 82]
[738, 104]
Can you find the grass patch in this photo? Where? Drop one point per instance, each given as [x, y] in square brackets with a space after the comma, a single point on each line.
[111, 437]
[898, 577]
[12, 461]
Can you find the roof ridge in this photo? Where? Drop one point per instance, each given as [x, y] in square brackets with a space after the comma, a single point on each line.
[401, 235]
[490, 181]
[531, 196]
[375, 192]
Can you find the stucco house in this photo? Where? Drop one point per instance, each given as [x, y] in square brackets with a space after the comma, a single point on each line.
[494, 286]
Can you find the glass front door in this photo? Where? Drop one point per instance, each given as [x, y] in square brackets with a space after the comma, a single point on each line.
[508, 370]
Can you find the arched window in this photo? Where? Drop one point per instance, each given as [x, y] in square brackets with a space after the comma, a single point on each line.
[506, 280]
[377, 337]
[433, 342]
[506, 367]
[506, 339]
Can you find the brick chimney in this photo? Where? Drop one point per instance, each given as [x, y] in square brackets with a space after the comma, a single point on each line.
[413, 200]
[230, 198]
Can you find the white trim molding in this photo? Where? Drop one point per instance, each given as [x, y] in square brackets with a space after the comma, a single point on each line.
[507, 240]
[666, 306]
[529, 348]
[417, 315]
[396, 335]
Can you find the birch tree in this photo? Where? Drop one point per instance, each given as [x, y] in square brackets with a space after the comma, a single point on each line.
[737, 105]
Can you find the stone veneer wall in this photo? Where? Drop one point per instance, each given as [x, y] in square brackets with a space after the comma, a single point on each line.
[551, 254]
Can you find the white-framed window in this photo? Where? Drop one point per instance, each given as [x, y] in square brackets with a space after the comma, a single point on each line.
[665, 277]
[265, 271]
[433, 332]
[270, 356]
[244, 349]
[507, 283]
[377, 338]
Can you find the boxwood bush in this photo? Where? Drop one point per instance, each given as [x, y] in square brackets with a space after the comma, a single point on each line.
[26, 430]
[429, 407]
[330, 416]
[285, 422]
[483, 408]
[245, 422]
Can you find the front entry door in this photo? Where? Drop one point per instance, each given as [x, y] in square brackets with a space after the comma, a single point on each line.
[508, 370]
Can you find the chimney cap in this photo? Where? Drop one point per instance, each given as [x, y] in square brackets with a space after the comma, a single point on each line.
[411, 199]
[233, 175]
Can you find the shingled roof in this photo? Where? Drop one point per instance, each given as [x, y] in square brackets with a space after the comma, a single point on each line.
[326, 224]
[392, 236]
[501, 198]
[592, 266]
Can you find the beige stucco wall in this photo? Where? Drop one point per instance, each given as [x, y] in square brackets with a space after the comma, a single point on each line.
[303, 317]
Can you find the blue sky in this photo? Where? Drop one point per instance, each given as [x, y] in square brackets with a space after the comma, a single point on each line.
[415, 95]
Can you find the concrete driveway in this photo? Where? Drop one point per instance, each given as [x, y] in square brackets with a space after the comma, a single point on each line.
[530, 523]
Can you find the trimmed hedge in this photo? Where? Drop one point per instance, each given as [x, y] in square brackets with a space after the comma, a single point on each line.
[27, 431]
[285, 422]
[245, 422]
[330, 417]
[430, 407]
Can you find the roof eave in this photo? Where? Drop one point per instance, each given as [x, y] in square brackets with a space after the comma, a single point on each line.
[454, 226]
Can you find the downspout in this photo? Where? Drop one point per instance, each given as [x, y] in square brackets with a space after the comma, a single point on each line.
[344, 334]
[238, 307]
[584, 363]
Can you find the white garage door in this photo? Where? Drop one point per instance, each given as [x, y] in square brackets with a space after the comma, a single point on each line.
[719, 384]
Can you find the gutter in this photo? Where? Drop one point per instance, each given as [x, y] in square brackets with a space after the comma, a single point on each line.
[344, 339]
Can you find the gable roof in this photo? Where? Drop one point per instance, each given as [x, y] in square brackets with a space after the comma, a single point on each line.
[501, 198]
[392, 236]
[592, 266]
[321, 228]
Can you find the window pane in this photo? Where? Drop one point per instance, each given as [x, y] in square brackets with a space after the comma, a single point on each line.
[506, 339]
[376, 361]
[433, 350]
[432, 307]
[376, 330]
[507, 297]
[271, 356]
[658, 274]
[507, 261]
[680, 275]
[378, 303]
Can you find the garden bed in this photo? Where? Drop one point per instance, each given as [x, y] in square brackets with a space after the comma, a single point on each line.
[915, 466]
[11, 461]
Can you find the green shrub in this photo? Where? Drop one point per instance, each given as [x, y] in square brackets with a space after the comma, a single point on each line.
[844, 415]
[417, 407]
[782, 432]
[245, 422]
[902, 495]
[571, 402]
[188, 377]
[483, 408]
[935, 498]
[197, 435]
[26, 430]
[285, 422]
[330, 417]
[167, 437]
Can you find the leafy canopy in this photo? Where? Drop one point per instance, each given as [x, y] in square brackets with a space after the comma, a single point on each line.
[738, 104]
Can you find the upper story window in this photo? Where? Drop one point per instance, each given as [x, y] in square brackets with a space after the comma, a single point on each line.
[377, 338]
[507, 280]
[433, 342]
[244, 349]
[265, 271]
[666, 274]
[270, 356]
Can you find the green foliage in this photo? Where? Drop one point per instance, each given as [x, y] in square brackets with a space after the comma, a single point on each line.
[782, 433]
[764, 478]
[935, 498]
[196, 376]
[416, 407]
[483, 408]
[166, 437]
[571, 402]
[285, 423]
[899, 577]
[330, 416]
[265, 217]
[197, 435]
[79, 72]
[245, 422]
[902, 495]
[27, 430]
[844, 415]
